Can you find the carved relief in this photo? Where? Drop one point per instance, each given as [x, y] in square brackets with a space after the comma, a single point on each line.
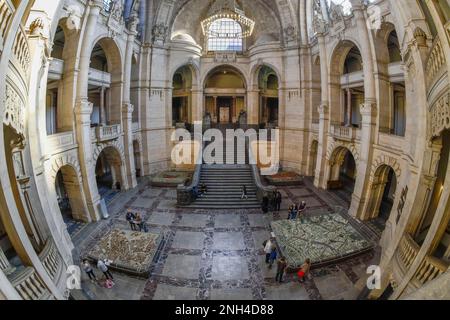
[14, 110]
[440, 116]
[115, 20]
[225, 57]
[160, 33]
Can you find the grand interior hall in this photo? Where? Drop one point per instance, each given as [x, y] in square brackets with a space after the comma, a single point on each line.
[225, 150]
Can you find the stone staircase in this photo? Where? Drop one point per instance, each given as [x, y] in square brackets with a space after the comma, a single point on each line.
[225, 180]
[224, 184]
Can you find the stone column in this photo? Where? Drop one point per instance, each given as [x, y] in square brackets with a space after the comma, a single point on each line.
[253, 107]
[349, 107]
[83, 111]
[320, 180]
[102, 106]
[127, 109]
[368, 113]
[197, 105]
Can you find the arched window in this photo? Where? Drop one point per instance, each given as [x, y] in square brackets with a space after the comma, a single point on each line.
[225, 35]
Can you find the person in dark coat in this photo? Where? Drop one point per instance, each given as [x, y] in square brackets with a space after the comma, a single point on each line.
[279, 200]
[281, 268]
[265, 204]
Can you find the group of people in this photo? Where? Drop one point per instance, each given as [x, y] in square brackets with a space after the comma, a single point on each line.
[274, 203]
[136, 222]
[102, 265]
[270, 250]
[296, 211]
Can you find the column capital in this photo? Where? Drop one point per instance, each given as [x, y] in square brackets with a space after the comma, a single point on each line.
[127, 108]
[368, 108]
[323, 108]
[83, 107]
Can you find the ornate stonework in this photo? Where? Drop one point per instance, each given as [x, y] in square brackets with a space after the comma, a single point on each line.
[440, 116]
[14, 115]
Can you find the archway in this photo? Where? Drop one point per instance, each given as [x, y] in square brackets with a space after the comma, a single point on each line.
[110, 173]
[346, 85]
[268, 84]
[225, 96]
[55, 84]
[182, 97]
[382, 195]
[71, 199]
[105, 83]
[342, 173]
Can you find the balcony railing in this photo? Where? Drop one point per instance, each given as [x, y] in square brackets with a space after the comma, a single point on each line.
[60, 141]
[106, 133]
[51, 260]
[430, 269]
[29, 285]
[407, 252]
[343, 133]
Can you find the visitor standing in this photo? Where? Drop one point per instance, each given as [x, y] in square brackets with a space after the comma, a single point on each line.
[139, 222]
[281, 268]
[89, 271]
[301, 209]
[273, 255]
[130, 218]
[102, 266]
[265, 204]
[279, 200]
[268, 248]
[244, 192]
[304, 270]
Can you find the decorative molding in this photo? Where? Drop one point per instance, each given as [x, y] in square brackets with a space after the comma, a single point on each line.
[439, 117]
[14, 115]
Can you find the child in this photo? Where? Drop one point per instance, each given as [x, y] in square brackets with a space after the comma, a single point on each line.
[273, 256]
[304, 270]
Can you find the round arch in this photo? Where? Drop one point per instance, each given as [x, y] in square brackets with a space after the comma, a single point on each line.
[254, 73]
[236, 68]
[383, 187]
[70, 196]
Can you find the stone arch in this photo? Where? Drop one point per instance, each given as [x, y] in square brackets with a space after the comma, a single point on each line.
[114, 145]
[347, 112]
[333, 148]
[72, 184]
[115, 156]
[238, 68]
[254, 73]
[65, 160]
[378, 181]
[195, 71]
[388, 161]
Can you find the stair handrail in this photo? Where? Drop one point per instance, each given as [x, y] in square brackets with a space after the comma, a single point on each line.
[185, 195]
[261, 188]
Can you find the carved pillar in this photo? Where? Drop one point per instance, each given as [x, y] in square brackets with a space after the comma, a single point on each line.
[83, 111]
[320, 180]
[102, 107]
[127, 109]
[368, 113]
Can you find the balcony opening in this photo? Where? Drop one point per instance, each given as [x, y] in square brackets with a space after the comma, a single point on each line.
[268, 97]
[342, 174]
[182, 97]
[105, 84]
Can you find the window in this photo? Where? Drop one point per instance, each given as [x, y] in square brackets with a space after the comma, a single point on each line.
[225, 35]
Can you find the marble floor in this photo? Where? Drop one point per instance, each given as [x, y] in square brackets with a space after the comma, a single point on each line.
[217, 254]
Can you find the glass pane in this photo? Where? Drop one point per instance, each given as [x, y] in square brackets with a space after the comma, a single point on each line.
[225, 35]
